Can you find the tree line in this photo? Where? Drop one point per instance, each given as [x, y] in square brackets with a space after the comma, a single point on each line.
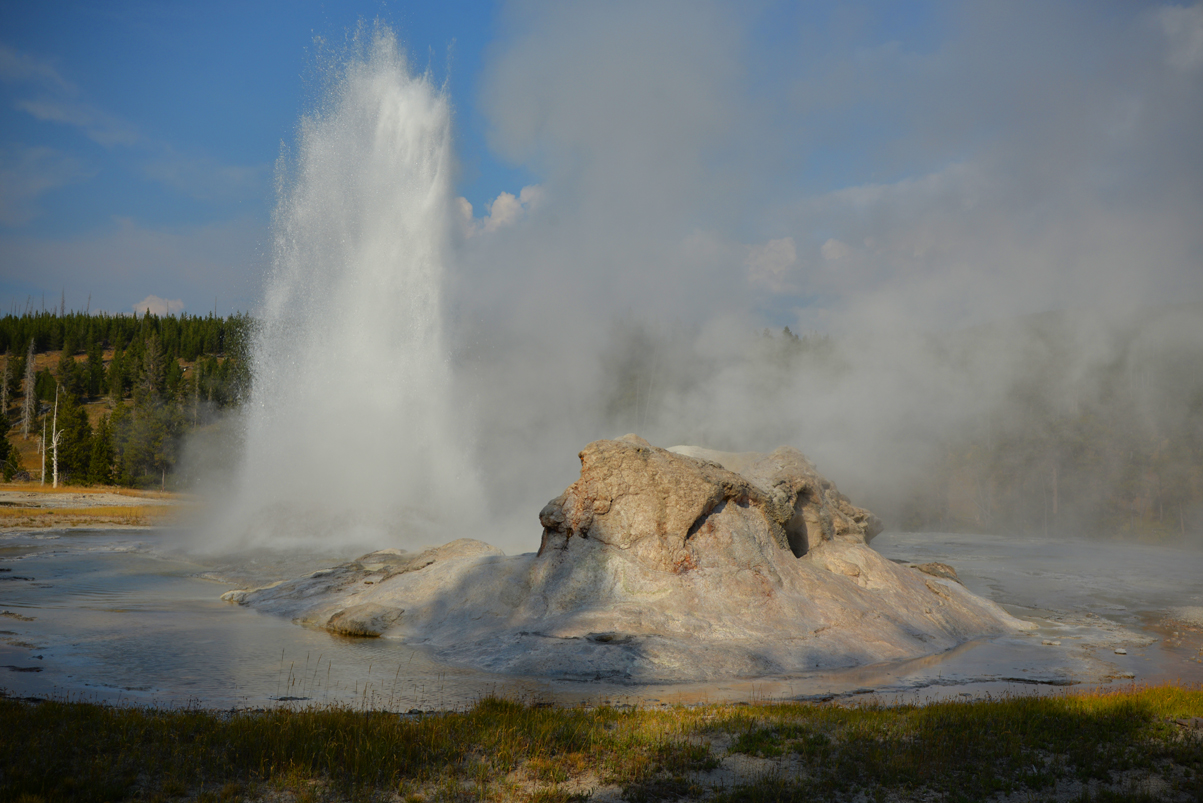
[155, 377]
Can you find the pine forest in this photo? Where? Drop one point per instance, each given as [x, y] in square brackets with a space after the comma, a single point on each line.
[107, 399]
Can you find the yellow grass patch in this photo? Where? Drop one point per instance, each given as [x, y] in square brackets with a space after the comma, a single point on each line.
[129, 515]
[38, 488]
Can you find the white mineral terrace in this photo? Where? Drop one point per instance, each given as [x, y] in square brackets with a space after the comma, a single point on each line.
[713, 604]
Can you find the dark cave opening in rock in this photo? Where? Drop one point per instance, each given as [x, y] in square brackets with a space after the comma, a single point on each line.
[795, 531]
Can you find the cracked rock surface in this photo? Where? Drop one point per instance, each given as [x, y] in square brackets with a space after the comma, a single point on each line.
[658, 565]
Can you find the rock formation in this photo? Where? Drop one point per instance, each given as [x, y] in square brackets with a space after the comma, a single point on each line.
[654, 502]
[659, 565]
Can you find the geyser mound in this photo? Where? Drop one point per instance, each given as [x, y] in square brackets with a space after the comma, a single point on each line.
[658, 565]
[353, 431]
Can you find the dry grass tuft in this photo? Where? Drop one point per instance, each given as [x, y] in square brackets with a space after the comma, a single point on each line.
[1105, 745]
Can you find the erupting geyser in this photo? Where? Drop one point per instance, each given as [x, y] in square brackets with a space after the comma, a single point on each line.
[353, 433]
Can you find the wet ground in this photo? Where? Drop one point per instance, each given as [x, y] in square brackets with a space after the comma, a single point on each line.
[121, 616]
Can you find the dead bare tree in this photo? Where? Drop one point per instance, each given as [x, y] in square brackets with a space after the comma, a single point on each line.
[27, 407]
[56, 435]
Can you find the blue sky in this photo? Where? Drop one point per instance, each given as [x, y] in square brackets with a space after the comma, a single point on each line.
[797, 163]
[168, 117]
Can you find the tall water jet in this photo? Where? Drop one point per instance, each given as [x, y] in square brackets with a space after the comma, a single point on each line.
[352, 431]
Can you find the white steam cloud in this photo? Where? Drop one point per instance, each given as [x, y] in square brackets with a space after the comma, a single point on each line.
[921, 202]
[159, 306]
[1036, 157]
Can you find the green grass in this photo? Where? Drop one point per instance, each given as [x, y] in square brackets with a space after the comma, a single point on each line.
[1108, 742]
[970, 751]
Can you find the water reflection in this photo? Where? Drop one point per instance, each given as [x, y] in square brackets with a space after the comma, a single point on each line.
[118, 616]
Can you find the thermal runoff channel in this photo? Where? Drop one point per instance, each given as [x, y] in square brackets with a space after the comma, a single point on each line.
[353, 431]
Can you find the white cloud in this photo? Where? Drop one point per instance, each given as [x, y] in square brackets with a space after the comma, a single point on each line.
[206, 179]
[101, 127]
[18, 68]
[159, 306]
[505, 210]
[193, 264]
[1183, 29]
[26, 173]
[769, 265]
[198, 176]
[833, 249]
[58, 101]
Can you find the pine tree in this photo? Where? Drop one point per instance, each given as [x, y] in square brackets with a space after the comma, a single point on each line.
[121, 436]
[152, 382]
[166, 429]
[116, 377]
[15, 375]
[144, 433]
[175, 376]
[75, 450]
[45, 385]
[71, 375]
[10, 462]
[4, 387]
[94, 368]
[100, 464]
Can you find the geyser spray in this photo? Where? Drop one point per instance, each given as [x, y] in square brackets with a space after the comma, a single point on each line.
[353, 434]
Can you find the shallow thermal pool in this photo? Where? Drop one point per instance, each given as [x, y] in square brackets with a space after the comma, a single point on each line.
[120, 616]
